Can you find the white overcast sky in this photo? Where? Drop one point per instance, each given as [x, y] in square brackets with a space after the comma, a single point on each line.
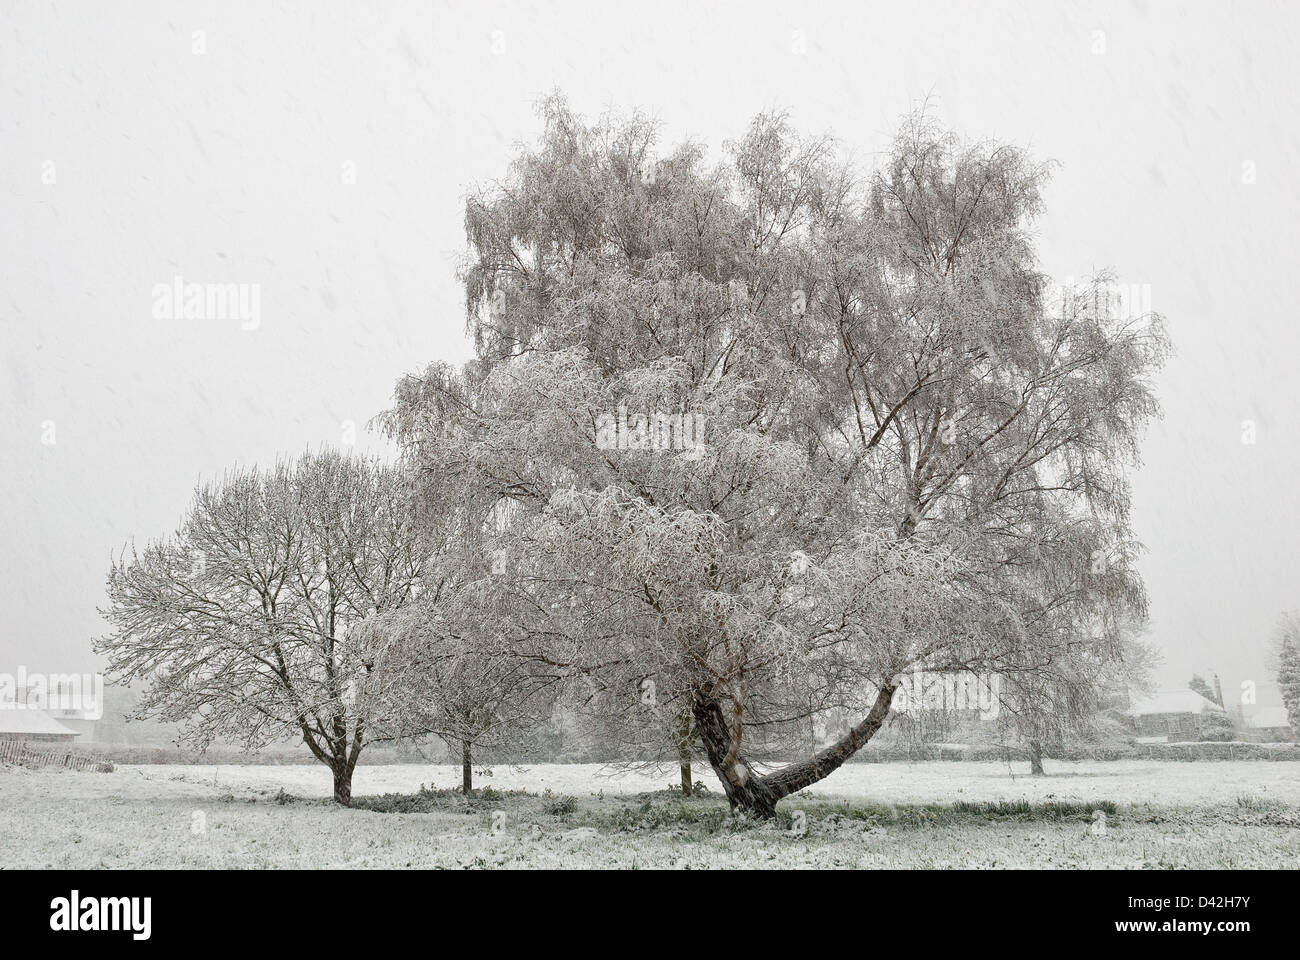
[226, 167]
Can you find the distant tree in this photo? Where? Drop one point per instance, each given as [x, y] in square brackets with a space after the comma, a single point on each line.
[909, 453]
[246, 623]
[446, 669]
[1287, 658]
[635, 723]
[1202, 686]
[1048, 707]
[464, 686]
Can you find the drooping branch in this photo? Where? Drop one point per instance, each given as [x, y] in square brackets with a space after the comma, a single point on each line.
[795, 777]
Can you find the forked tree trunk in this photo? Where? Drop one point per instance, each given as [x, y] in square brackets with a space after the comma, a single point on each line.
[335, 754]
[1036, 758]
[745, 790]
[755, 795]
[466, 769]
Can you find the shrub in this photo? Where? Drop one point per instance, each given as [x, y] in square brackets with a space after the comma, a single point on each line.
[562, 806]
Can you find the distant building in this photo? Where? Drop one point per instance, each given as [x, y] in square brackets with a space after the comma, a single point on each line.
[1272, 723]
[77, 716]
[1177, 715]
[74, 700]
[1257, 698]
[117, 728]
[33, 726]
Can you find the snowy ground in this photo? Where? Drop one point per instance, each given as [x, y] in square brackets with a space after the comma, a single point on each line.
[1243, 814]
[1124, 781]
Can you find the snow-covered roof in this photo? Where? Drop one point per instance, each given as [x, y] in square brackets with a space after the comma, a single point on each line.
[1266, 717]
[26, 720]
[1175, 701]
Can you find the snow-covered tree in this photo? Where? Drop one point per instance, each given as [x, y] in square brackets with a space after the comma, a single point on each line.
[901, 452]
[1199, 684]
[246, 624]
[1047, 707]
[448, 673]
[1287, 658]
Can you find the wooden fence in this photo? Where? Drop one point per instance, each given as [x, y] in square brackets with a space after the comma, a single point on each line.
[21, 753]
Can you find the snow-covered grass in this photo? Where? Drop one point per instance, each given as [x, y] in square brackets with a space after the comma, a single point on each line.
[1222, 814]
[1127, 781]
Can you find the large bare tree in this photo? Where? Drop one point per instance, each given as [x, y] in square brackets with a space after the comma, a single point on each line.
[246, 624]
[777, 430]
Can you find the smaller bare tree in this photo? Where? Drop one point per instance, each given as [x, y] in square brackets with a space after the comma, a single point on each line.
[447, 673]
[1049, 705]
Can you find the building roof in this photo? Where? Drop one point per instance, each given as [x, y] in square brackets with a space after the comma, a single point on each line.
[27, 721]
[1174, 701]
[1267, 718]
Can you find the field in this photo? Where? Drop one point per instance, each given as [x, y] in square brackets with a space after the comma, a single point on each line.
[944, 814]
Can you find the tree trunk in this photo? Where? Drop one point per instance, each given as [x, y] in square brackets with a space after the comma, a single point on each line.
[343, 783]
[745, 790]
[757, 796]
[466, 769]
[684, 754]
[1036, 758]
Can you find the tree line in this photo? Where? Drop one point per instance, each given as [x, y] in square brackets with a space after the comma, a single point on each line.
[911, 457]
